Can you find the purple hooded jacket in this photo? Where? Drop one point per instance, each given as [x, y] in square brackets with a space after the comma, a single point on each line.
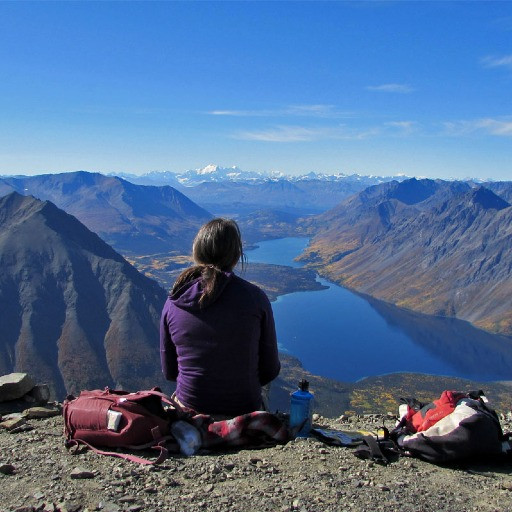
[221, 354]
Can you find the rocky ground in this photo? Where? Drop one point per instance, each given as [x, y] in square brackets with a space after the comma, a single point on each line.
[37, 473]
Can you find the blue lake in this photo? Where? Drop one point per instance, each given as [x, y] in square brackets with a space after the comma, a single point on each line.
[342, 335]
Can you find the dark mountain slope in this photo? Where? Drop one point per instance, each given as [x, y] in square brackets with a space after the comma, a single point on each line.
[363, 217]
[73, 312]
[132, 218]
[451, 258]
[502, 189]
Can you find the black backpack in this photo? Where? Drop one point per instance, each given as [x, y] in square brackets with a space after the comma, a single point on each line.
[468, 430]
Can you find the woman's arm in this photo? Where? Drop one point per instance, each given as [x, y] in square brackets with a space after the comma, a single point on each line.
[269, 364]
[168, 356]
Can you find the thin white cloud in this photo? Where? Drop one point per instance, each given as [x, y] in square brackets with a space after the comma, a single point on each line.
[505, 61]
[303, 134]
[395, 88]
[498, 127]
[404, 127]
[314, 110]
[241, 113]
[280, 134]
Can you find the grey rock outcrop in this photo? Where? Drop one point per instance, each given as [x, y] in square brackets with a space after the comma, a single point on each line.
[14, 386]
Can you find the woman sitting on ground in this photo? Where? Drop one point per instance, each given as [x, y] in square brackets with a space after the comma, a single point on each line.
[217, 332]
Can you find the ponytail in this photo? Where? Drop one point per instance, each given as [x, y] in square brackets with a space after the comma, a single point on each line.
[211, 277]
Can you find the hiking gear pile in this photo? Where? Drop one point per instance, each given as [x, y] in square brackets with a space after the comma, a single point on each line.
[457, 426]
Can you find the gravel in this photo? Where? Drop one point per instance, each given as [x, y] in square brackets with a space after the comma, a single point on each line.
[38, 474]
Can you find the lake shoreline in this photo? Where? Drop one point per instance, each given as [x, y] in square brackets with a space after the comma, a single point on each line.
[361, 330]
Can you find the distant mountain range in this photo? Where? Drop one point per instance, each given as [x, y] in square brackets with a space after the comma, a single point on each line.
[131, 218]
[215, 174]
[442, 248]
[231, 191]
[439, 247]
[73, 312]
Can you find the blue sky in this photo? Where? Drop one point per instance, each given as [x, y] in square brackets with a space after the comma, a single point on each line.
[420, 88]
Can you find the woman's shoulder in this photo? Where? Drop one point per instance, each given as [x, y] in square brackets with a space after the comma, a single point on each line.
[255, 291]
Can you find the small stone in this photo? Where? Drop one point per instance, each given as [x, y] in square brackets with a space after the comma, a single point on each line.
[12, 416]
[316, 417]
[22, 428]
[7, 469]
[80, 474]
[38, 495]
[507, 486]
[24, 509]
[172, 483]
[127, 499]
[229, 466]
[12, 423]
[42, 412]
[214, 469]
[209, 488]
[69, 507]
[323, 451]
[109, 506]
[383, 487]
[150, 490]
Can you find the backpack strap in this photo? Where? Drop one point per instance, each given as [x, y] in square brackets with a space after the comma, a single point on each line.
[370, 449]
[164, 453]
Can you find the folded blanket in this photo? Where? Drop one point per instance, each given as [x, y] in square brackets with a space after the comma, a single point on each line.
[255, 429]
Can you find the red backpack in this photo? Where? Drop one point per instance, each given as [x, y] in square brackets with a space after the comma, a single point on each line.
[119, 419]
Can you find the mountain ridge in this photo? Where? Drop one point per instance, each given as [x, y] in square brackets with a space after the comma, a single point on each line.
[448, 254]
[132, 218]
[73, 312]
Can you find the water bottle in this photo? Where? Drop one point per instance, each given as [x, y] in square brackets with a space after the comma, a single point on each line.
[188, 437]
[301, 410]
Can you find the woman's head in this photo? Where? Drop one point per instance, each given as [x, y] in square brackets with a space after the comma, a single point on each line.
[218, 243]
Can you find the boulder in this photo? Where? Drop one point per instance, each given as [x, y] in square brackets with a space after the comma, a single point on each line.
[14, 386]
[39, 394]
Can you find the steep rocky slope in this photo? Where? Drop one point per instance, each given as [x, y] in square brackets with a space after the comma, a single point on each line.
[437, 247]
[131, 218]
[73, 312]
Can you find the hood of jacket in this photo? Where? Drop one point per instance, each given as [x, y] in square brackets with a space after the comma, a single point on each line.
[187, 297]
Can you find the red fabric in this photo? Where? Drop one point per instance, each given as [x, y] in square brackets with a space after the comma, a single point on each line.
[254, 429]
[419, 421]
